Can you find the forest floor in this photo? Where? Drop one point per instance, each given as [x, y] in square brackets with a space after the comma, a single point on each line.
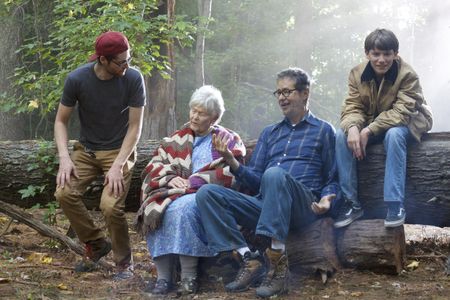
[35, 267]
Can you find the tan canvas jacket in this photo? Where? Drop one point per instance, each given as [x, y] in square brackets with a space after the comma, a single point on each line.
[398, 101]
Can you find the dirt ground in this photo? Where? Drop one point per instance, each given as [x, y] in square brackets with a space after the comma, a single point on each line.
[35, 267]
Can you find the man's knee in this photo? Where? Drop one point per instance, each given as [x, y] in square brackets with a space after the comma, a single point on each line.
[66, 195]
[111, 206]
[205, 193]
[273, 174]
[396, 135]
[111, 211]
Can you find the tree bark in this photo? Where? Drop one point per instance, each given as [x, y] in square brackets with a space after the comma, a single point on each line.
[427, 186]
[204, 11]
[314, 248]
[45, 230]
[159, 114]
[369, 245]
[12, 127]
[427, 192]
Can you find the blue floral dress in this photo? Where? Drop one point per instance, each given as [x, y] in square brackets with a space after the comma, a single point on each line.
[181, 231]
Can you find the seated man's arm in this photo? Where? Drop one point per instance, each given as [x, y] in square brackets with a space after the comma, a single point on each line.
[408, 99]
[353, 110]
[329, 172]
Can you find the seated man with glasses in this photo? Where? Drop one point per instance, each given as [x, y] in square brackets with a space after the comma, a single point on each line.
[110, 96]
[292, 170]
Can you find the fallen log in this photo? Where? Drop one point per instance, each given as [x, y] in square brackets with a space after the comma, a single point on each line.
[427, 193]
[313, 249]
[368, 245]
[427, 187]
[319, 248]
[29, 220]
[15, 175]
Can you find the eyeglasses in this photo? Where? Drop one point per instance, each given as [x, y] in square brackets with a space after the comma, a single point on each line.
[122, 63]
[285, 92]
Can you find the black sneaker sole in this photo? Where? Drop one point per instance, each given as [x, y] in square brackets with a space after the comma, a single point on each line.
[392, 224]
[348, 221]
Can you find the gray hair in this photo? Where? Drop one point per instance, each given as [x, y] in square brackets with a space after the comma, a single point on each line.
[210, 98]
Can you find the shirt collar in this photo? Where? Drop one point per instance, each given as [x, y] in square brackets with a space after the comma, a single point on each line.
[308, 117]
[391, 75]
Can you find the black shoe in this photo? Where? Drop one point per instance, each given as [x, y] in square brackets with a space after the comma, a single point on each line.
[188, 286]
[395, 216]
[347, 215]
[251, 273]
[161, 287]
[276, 281]
[94, 250]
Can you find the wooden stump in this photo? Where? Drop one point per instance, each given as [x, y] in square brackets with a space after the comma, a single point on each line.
[314, 248]
[367, 244]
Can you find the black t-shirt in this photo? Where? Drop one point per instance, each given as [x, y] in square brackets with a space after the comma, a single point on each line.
[103, 104]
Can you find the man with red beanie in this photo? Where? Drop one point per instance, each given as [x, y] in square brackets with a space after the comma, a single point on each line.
[110, 98]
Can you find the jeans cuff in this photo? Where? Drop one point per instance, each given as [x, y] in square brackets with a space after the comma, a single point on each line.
[271, 235]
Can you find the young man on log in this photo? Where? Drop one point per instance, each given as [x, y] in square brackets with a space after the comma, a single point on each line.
[110, 95]
[384, 104]
[293, 170]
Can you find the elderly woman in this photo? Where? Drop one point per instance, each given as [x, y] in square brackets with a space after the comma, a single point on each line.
[184, 161]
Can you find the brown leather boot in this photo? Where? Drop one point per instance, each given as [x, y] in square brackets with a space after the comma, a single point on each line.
[276, 281]
[251, 273]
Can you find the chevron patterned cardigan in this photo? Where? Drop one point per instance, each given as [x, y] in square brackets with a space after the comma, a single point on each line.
[174, 158]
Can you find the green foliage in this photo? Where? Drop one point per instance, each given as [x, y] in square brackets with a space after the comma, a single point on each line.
[65, 39]
[49, 217]
[43, 159]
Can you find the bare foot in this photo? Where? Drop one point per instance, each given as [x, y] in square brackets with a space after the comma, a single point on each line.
[321, 207]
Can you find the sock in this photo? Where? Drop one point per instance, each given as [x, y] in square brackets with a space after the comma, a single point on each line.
[243, 250]
[164, 267]
[188, 266]
[277, 245]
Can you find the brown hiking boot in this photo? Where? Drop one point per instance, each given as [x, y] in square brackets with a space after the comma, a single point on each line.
[277, 278]
[94, 251]
[251, 273]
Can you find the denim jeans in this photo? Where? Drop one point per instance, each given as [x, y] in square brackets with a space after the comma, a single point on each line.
[282, 204]
[395, 142]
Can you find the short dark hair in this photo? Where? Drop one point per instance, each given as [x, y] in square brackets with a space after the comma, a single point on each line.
[109, 58]
[301, 78]
[382, 39]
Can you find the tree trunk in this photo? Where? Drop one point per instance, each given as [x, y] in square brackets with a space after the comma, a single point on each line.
[369, 245]
[12, 127]
[159, 114]
[204, 11]
[427, 187]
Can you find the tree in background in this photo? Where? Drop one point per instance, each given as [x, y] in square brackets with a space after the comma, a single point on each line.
[63, 39]
[251, 40]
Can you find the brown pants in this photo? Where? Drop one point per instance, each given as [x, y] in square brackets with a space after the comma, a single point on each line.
[89, 166]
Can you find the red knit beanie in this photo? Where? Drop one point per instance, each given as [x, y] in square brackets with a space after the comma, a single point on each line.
[110, 43]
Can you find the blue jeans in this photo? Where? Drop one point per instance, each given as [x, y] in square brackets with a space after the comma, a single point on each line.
[395, 142]
[282, 204]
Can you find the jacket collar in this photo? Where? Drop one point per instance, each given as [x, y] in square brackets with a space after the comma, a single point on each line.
[391, 75]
